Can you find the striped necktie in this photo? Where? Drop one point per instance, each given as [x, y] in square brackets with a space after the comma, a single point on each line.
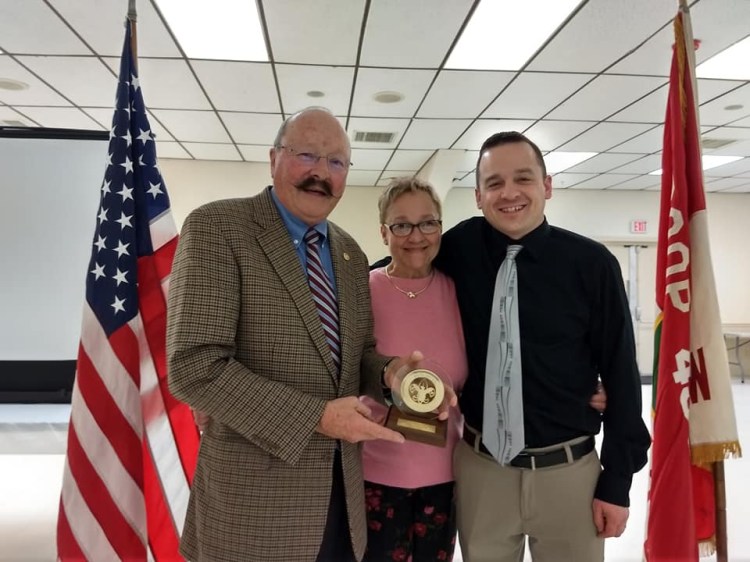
[322, 293]
[502, 424]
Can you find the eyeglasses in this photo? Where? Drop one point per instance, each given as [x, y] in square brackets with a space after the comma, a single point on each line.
[336, 163]
[402, 229]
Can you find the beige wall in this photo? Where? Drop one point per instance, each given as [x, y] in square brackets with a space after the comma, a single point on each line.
[602, 215]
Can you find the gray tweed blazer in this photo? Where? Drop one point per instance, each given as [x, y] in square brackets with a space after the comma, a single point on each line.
[245, 344]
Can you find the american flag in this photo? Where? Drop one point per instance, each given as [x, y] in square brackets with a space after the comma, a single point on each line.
[131, 446]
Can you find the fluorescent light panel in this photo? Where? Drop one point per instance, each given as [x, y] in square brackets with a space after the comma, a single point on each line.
[503, 34]
[559, 161]
[731, 63]
[219, 29]
[709, 161]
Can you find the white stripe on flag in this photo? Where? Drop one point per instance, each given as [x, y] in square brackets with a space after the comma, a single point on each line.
[119, 384]
[83, 525]
[124, 492]
[160, 438]
[162, 229]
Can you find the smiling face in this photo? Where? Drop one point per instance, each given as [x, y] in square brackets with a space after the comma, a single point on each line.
[512, 189]
[310, 191]
[413, 254]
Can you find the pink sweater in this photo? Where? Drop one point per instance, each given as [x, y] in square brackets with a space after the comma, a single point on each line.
[431, 324]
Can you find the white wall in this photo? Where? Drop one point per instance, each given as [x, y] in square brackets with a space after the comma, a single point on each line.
[602, 215]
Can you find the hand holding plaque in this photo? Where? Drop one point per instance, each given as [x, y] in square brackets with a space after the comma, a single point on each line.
[419, 397]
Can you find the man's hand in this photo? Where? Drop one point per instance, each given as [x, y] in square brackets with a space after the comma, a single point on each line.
[610, 519]
[400, 366]
[598, 400]
[350, 420]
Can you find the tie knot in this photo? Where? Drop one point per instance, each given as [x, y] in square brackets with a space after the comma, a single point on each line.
[513, 251]
[312, 236]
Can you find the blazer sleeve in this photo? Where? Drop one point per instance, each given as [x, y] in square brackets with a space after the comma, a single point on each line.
[203, 314]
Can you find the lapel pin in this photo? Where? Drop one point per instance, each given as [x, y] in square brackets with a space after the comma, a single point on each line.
[346, 256]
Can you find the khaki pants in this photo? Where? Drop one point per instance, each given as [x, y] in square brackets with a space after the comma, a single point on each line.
[499, 506]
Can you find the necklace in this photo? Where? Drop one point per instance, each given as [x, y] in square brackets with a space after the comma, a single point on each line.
[410, 294]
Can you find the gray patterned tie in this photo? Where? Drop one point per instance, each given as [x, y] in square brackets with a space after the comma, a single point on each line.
[502, 428]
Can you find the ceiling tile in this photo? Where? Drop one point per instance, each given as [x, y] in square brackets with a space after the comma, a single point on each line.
[426, 134]
[84, 81]
[362, 177]
[739, 167]
[737, 148]
[533, 94]
[62, 117]
[602, 163]
[7, 114]
[649, 109]
[549, 135]
[195, 126]
[714, 112]
[468, 161]
[390, 38]
[38, 92]
[739, 189]
[412, 84]
[239, 86]
[313, 32]
[648, 142]
[469, 180]
[638, 182]
[205, 151]
[604, 136]
[169, 149]
[721, 184]
[603, 181]
[409, 159]
[604, 96]
[255, 153]
[601, 33]
[252, 128]
[101, 26]
[482, 129]
[296, 80]
[167, 84]
[451, 86]
[370, 159]
[362, 124]
[644, 165]
[31, 27]
[563, 180]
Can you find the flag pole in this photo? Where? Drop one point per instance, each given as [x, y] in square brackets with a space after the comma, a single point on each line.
[717, 467]
[132, 18]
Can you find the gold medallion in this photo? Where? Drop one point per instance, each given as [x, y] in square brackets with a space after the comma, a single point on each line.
[422, 391]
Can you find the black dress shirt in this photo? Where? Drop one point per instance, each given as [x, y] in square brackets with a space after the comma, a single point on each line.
[575, 327]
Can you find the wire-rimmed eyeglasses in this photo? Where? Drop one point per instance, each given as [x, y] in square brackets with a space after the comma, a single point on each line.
[336, 162]
[402, 229]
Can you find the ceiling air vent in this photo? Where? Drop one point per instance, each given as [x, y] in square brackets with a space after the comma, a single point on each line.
[372, 136]
[715, 143]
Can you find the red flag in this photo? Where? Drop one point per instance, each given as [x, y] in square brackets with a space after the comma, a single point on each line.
[131, 446]
[694, 421]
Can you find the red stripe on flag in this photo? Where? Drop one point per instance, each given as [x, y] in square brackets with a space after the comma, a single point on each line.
[124, 344]
[162, 534]
[121, 435]
[67, 545]
[118, 530]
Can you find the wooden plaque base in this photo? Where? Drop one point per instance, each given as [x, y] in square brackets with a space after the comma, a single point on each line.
[431, 431]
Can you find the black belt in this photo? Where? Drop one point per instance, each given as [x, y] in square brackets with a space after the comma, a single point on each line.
[541, 459]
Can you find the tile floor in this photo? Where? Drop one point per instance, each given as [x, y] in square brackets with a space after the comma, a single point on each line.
[32, 445]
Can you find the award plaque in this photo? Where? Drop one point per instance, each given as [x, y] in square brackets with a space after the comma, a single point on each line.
[415, 411]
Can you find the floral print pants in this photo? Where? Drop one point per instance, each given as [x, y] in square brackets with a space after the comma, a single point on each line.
[410, 525]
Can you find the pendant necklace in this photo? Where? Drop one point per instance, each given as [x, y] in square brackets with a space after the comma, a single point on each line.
[410, 294]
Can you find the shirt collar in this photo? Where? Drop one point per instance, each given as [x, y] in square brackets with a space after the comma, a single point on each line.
[297, 228]
[533, 243]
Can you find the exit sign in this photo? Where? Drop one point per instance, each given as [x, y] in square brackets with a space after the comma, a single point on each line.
[638, 226]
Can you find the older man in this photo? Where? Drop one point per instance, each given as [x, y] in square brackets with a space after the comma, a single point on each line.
[269, 329]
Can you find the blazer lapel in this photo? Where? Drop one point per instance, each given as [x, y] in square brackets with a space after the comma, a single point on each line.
[346, 296]
[279, 250]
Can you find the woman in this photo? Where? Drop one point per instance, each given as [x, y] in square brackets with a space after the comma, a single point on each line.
[409, 487]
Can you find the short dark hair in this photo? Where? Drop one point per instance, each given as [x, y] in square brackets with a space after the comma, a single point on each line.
[508, 137]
